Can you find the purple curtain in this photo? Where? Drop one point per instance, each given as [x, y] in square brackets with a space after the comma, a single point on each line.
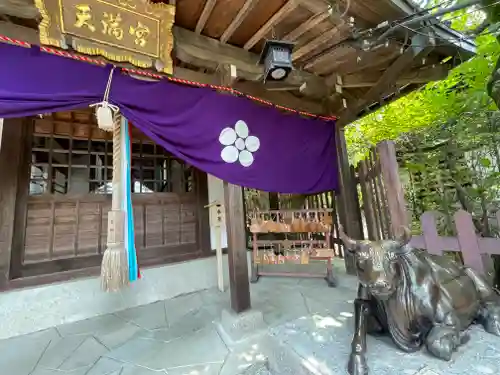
[230, 137]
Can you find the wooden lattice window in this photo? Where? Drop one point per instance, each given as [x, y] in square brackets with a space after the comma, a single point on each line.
[74, 157]
[69, 165]
[155, 170]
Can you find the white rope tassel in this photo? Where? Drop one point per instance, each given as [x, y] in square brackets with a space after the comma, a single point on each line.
[114, 268]
[105, 111]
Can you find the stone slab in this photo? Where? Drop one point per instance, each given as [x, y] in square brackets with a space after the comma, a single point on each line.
[235, 328]
[152, 316]
[110, 330]
[21, 354]
[322, 342]
[203, 348]
[33, 309]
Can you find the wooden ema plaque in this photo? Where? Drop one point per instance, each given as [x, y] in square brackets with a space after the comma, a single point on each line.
[307, 238]
[133, 31]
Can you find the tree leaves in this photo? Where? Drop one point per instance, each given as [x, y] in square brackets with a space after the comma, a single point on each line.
[462, 92]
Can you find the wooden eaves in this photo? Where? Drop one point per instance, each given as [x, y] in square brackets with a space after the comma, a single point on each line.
[333, 73]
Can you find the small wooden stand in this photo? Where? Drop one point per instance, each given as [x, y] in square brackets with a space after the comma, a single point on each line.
[306, 237]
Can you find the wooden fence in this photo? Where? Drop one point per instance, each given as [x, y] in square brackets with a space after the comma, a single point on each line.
[373, 196]
[382, 196]
[475, 250]
[384, 211]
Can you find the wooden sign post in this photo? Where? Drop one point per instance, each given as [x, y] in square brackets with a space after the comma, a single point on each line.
[133, 31]
[217, 220]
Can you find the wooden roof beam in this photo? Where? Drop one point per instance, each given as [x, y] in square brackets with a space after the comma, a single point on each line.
[19, 8]
[238, 20]
[314, 20]
[251, 88]
[316, 6]
[209, 53]
[420, 47]
[228, 75]
[275, 19]
[325, 55]
[205, 14]
[330, 59]
[427, 74]
[317, 42]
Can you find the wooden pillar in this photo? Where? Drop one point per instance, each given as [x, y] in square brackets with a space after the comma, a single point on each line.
[398, 215]
[203, 223]
[239, 282]
[11, 150]
[274, 201]
[348, 197]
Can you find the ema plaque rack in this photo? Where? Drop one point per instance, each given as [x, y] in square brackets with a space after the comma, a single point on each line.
[299, 237]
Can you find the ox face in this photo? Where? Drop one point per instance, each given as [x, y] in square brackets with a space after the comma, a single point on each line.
[376, 262]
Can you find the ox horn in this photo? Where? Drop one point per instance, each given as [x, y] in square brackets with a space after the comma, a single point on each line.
[404, 238]
[349, 243]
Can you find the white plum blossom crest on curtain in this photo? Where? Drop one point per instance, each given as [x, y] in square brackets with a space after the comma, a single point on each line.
[239, 145]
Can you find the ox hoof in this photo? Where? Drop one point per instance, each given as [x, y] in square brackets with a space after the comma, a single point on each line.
[491, 321]
[443, 341]
[331, 280]
[492, 325]
[357, 365]
[464, 338]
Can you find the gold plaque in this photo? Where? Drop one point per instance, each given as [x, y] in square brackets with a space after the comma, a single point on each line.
[133, 31]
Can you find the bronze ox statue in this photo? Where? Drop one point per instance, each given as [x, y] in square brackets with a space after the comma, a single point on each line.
[416, 298]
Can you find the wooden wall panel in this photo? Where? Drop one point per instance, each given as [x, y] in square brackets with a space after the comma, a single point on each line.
[66, 227]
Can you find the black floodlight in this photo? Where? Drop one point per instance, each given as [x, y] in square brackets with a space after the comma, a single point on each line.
[277, 59]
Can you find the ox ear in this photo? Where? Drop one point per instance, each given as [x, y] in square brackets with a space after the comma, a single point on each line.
[350, 244]
[404, 237]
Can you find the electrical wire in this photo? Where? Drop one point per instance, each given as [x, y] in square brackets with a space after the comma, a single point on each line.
[460, 15]
[348, 5]
[344, 13]
[460, 38]
[395, 23]
[425, 10]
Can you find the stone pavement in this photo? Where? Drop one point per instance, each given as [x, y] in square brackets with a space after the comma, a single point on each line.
[321, 343]
[176, 336]
[310, 328]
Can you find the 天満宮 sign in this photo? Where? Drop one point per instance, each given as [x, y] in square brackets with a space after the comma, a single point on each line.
[133, 31]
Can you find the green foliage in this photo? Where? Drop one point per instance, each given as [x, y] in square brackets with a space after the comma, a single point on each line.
[446, 132]
[453, 166]
[463, 91]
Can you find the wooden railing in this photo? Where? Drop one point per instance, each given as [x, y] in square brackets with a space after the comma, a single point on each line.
[385, 211]
[475, 250]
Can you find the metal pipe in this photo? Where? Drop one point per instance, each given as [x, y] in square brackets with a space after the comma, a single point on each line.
[427, 16]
